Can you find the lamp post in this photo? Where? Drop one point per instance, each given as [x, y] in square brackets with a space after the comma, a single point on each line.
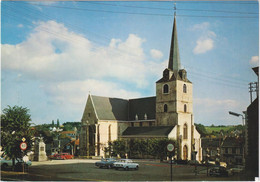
[207, 160]
[237, 115]
[243, 123]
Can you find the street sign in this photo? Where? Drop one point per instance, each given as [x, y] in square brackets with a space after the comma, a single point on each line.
[23, 146]
[23, 139]
[170, 147]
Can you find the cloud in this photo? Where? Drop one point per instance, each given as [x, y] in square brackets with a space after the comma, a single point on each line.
[201, 26]
[254, 61]
[75, 92]
[203, 46]
[52, 52]
[68, 66]
[156, 54]
[205, 42]
[20, 26]
[216, 111]
[212, 104]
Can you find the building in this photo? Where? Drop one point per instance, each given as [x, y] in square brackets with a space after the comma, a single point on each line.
[210, 147]
[169, 114]
[232, 150]
[252, 159]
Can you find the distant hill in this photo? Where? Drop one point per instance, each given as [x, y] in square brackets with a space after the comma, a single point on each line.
[211, 129]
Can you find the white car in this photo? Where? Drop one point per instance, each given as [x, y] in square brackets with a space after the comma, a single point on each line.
[7, 162]
[126, 164]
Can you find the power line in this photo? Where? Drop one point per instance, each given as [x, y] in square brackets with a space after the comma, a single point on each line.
[168, 9]
[149, 14]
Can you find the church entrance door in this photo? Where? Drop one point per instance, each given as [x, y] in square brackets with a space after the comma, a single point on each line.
[185, 152]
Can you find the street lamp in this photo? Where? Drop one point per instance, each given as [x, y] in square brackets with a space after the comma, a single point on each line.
[237, 115]
[243, 121]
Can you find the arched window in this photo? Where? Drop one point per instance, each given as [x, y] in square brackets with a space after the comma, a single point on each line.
[184, 88]
[165, 108]
[109, 133]
[185, 152]
[185, 108]
[165, 89]
[185, 131]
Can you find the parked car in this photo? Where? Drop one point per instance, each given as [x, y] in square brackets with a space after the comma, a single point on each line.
[193, 162]
[105, 163]
[218, 171]
[6, 162]
[61, 156]
[125, 164]
[236, 169]
[181, 162]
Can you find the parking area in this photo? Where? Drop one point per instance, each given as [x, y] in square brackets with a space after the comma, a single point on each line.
[85, 170]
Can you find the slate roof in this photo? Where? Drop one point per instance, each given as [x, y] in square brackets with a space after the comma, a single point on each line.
[124, 110]
[153, 131]
[110, 108]
[210, 143]
[232, 142]
[142, 106]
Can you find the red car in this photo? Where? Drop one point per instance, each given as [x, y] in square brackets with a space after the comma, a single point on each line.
[62, 156]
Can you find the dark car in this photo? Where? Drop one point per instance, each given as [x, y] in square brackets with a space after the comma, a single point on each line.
[218, 171]
[105, 163]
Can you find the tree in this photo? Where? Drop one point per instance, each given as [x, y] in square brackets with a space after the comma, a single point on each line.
[58, 123]
[15, 125]
[201, 129]
[52, 123]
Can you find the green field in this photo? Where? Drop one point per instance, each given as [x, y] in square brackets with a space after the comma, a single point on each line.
[210, 129]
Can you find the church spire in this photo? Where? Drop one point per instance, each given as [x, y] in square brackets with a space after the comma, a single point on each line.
[174, 59]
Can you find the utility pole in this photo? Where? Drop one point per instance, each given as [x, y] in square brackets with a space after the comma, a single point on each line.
[253, 87]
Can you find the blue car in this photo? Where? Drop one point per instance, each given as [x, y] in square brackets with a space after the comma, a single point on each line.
[105, 163]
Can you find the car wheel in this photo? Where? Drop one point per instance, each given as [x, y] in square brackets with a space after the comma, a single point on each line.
[136, 167]
[126, 168]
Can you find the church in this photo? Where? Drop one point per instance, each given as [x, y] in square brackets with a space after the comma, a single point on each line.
[169, 114]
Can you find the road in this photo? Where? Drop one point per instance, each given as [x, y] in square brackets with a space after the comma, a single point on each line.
[84, 170]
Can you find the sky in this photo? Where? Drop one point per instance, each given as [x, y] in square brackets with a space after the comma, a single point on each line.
[53, 54]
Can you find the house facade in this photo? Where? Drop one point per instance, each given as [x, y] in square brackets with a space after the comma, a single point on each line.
[169, 114]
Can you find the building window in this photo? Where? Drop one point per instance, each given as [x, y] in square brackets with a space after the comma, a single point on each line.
[165, 108]
[185, 131]
[184, 88]
[150, 123]
[185, 108]
[88, 114]
[109, 133]
[229, 150]
[226, 150]
[185, 152]
[165, 89]
[132, 124]
[140, 124]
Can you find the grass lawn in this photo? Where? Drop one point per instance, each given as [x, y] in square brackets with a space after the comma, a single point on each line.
[210, 129]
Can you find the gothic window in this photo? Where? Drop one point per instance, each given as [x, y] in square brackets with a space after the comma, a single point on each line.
[185, 152]
[185, 108]
[165, 108]
[185, 131]
[165, 89]
[109, 133]
[132, 124]
[140, 124]
[184, 88]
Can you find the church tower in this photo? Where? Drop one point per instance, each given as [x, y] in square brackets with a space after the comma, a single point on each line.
[174, 99]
